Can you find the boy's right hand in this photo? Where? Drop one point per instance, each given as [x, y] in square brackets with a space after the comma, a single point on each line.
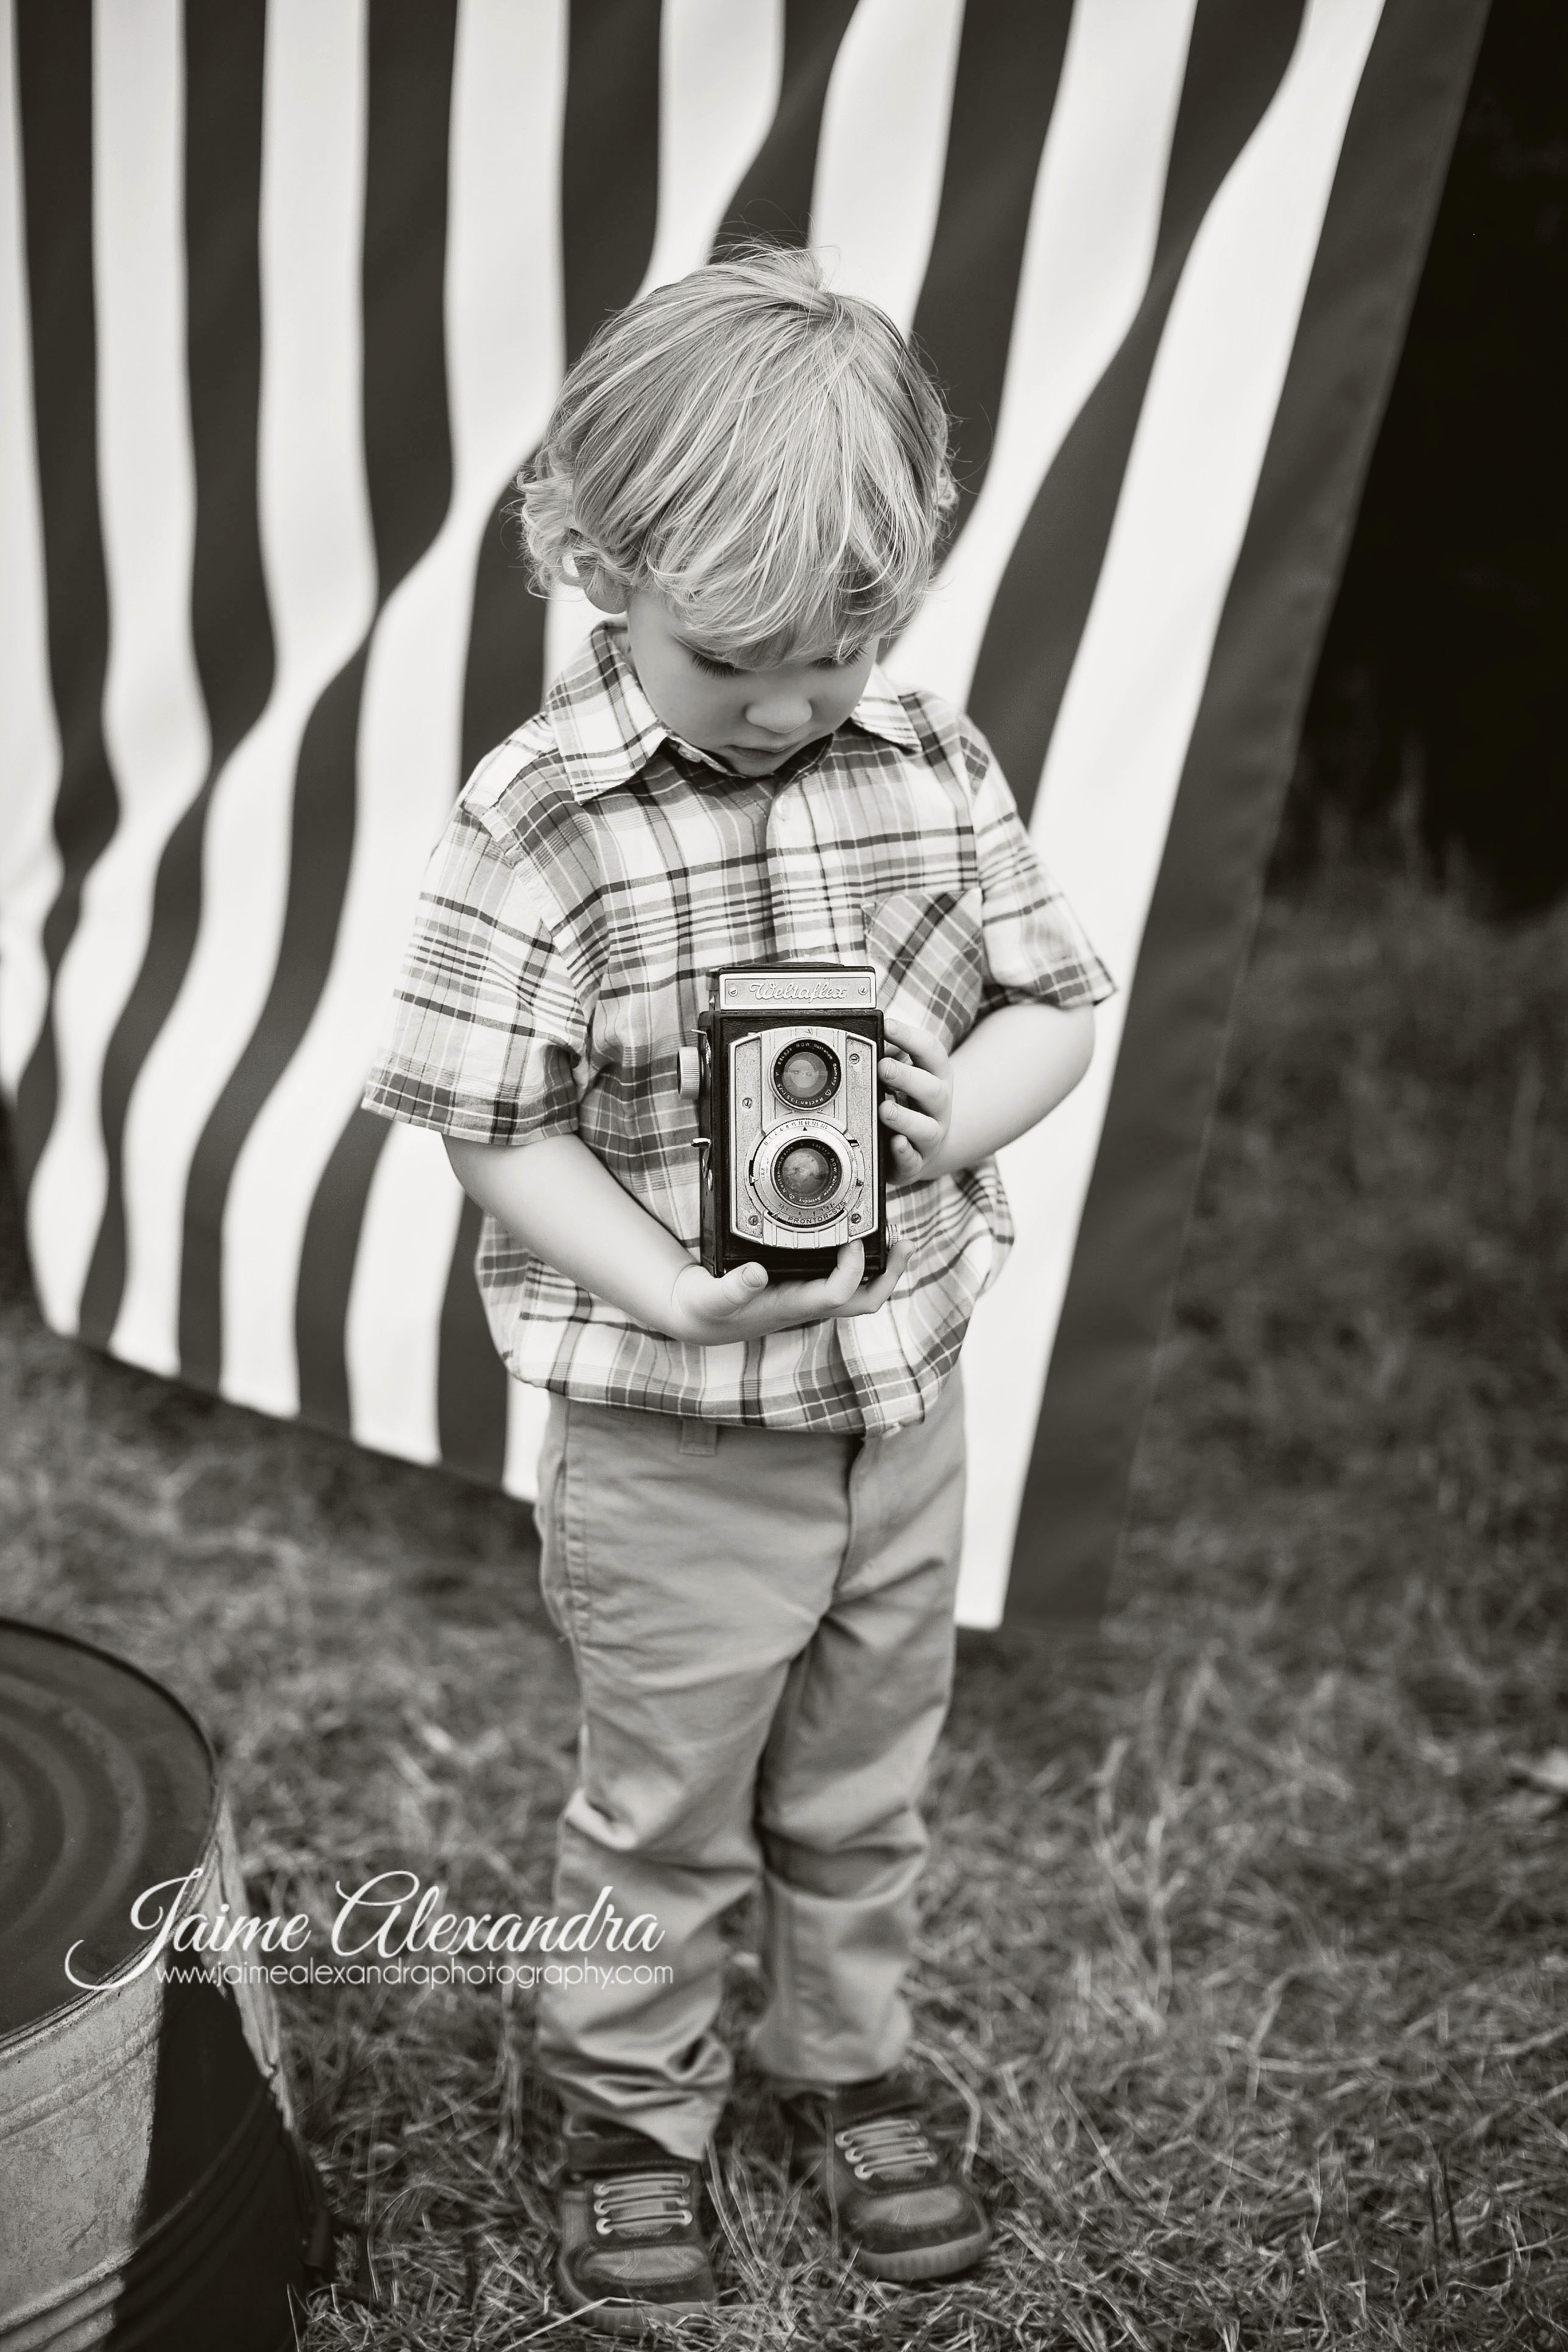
[746, 1304]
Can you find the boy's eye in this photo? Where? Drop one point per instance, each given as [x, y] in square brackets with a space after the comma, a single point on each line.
[713, 667]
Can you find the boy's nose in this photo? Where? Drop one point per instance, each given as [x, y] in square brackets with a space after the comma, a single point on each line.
[782, 711]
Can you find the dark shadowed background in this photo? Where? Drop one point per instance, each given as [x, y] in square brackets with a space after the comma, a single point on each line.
[1440, 714]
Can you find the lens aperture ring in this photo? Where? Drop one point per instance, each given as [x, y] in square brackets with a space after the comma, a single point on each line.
[806, 1173]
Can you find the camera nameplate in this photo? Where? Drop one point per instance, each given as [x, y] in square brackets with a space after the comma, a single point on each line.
[786, 992]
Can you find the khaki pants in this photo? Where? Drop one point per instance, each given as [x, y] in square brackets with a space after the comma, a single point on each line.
[761, 1623]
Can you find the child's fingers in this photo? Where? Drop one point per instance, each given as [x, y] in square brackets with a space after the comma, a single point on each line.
[741, 1286]
[752, 1305]
[908, 1079]
[846, 1275]
[907, 1118]
[929, 1052]
[923, 1131]
[788, 1303]
[784, 1305]
[877, 1292]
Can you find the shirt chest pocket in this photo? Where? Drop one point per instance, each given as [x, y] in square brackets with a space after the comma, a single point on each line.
[929, 949]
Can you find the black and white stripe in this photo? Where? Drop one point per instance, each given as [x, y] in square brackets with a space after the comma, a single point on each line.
[286, 291]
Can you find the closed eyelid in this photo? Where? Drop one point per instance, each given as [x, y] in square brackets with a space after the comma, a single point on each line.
[719, 668]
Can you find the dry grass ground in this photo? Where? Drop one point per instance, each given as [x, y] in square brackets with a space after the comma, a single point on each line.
[1244, 1954]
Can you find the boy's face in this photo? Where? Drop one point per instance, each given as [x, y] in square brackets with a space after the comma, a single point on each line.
[751, 718]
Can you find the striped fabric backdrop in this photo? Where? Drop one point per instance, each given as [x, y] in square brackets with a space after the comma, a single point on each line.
[286, 291]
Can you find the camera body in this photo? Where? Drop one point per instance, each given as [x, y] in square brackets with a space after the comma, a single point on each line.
[785, 1077]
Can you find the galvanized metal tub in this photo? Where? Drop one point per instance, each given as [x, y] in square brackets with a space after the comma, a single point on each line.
[152, 2192]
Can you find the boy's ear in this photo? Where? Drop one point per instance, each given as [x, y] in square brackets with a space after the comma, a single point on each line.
[600, 591]
[584, 568]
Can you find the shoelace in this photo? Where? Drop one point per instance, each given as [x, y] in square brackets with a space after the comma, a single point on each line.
[892, 2144]
[635, 2204]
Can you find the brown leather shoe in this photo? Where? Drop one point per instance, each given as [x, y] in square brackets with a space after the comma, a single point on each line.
[631, 2249]
[891, 2193]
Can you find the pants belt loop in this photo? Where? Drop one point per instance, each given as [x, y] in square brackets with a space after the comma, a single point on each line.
[699, 1436]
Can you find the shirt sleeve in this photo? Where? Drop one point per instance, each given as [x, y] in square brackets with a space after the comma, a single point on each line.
[486, 1028]
[1036, 949]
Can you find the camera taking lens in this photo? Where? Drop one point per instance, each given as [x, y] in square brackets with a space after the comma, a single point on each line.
[807, 1173]
[807, 1074]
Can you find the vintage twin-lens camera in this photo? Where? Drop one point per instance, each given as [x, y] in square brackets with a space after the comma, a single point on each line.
[784, 1075]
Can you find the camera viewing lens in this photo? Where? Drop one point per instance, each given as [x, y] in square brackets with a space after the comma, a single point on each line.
[807, 1173]
[805, 1075]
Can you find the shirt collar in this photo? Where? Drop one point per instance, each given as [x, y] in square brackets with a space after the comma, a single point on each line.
[607, 730]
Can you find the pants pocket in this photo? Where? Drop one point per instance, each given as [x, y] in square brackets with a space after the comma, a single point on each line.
[550, 1518]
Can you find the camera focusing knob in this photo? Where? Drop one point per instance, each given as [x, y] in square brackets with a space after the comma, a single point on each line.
[691, 1072]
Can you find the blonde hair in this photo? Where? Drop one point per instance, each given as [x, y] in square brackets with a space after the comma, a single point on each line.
[768, 456]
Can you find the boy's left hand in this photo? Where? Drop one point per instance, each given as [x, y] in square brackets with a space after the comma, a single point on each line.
[918, 1123]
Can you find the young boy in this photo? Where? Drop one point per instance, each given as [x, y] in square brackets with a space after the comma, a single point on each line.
[750, 1488]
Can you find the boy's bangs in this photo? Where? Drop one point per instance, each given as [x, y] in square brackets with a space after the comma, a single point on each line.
[803, 532]
[723, 621]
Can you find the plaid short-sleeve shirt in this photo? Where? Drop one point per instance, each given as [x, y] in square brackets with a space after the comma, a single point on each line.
[595, 870]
